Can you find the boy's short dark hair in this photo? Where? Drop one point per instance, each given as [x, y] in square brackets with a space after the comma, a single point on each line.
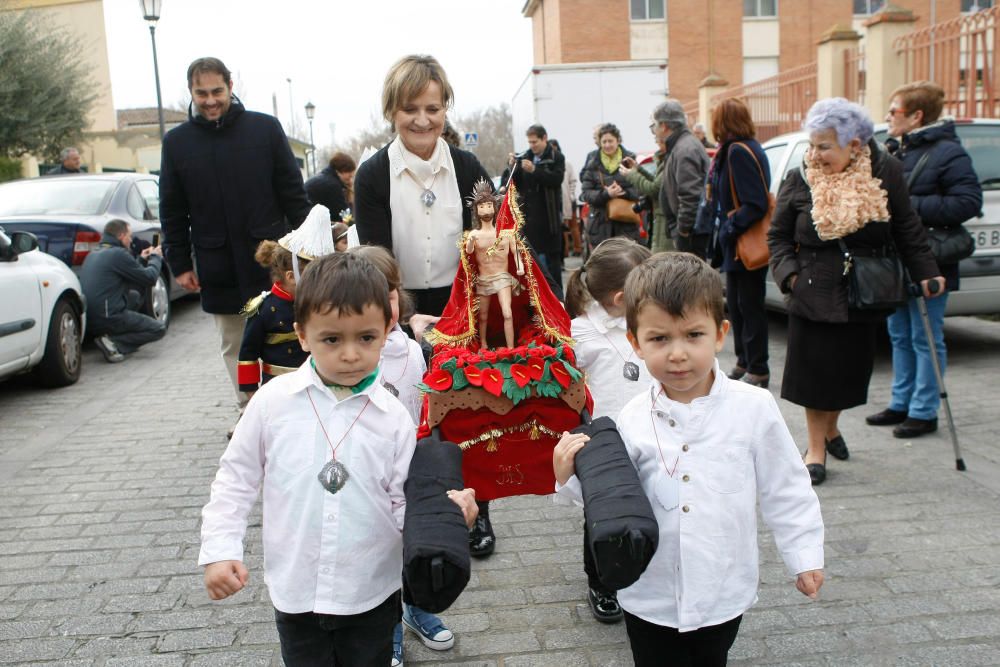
[344, 281]
[677, 282]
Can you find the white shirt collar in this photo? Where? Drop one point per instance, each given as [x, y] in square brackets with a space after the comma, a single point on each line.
[306, 376]
[718, 386]
[401, 159]
[601, 320]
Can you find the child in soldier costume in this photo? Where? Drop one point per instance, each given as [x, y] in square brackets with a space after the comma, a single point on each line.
[270, 346]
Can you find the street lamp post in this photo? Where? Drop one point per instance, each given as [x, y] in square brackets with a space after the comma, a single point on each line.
[310, 114]
[151, 13]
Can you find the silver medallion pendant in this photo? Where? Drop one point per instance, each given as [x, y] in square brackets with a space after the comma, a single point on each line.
[333, 476]
[391, 388]
[631, 371]
[428, 198]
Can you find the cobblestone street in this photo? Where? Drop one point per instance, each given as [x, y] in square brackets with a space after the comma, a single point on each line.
[102, 483]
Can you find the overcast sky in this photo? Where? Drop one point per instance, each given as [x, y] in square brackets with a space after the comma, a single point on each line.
[336, 52]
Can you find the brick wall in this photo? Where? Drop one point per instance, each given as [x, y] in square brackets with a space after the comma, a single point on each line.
[699, 44]
[594, 31]
[801, 24]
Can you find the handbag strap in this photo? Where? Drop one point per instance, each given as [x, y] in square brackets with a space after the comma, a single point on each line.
[917, 168]
[732, 184]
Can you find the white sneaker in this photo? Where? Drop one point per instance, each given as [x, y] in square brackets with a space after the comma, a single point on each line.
[108, 348]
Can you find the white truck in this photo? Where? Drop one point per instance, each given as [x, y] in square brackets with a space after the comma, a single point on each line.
[571, 100]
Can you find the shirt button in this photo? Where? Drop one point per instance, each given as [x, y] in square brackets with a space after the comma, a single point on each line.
[330, 517]
[672, 422]
[686, 478]
[685, 509]
[326, 570]
[685, 448]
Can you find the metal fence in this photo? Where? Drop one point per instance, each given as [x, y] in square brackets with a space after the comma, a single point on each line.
[779, 103]
[961, 56]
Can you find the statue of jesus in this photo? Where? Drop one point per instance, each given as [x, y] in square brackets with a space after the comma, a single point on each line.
[491, 251]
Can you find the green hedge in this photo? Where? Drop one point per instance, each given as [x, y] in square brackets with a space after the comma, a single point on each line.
[9, 169]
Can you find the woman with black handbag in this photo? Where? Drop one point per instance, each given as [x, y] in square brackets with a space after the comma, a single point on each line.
[945, 192]
[845, 210]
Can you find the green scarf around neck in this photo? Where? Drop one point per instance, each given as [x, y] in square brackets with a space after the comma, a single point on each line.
[356, 389]
[611, 162]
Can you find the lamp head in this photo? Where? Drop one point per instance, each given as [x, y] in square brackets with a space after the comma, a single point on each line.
[310, 110]
[150, 9]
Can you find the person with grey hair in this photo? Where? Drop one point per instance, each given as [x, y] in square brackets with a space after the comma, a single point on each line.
[849, 192]
[699, 131]
[69, 163]
[684, 173]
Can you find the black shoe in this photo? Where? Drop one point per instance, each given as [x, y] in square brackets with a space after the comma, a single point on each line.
[604, 606]
[914, 428]
[756, 380]
[737, 373]
[817, 473]
[886, 418]
[482, 541]
[838, 448]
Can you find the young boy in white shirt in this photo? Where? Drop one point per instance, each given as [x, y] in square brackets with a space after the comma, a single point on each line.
[706, 449]
[330, 448]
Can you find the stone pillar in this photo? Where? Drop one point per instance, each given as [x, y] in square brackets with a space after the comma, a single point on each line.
[885, 70]
[711, 85]
[29, 166]
[830, 60]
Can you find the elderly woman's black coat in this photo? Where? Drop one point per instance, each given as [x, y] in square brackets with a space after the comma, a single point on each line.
[820, 292]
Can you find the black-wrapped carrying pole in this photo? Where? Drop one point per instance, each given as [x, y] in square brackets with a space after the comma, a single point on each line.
[436, 565]
[622, 532]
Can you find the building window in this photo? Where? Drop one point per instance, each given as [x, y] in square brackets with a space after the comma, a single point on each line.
[760, 8]
[648, 10]
[866, 7]
[973, 6]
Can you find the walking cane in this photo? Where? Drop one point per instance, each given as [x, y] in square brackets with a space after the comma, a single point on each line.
[934, 287]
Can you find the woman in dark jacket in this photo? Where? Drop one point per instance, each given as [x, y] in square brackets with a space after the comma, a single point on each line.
[333, 187]
[600, 182]
[849, 190]
[945, 192]
[740, 165]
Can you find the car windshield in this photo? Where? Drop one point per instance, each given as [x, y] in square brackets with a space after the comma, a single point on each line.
[68, 195]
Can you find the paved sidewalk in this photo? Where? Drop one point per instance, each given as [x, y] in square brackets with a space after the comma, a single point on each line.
[101, 485]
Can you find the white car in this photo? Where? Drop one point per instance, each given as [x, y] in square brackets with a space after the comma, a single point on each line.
[979, 275]
[43, 317]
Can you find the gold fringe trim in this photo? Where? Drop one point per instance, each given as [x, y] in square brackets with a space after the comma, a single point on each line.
[253, 305]
[490, 436]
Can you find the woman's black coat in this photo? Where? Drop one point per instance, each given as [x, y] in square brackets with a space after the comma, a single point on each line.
[593, 179]
[820, 292]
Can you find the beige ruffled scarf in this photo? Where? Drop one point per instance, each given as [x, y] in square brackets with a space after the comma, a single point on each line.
[845, 202]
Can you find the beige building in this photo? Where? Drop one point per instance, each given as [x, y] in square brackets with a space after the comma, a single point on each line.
[741, 41]
[126, 140]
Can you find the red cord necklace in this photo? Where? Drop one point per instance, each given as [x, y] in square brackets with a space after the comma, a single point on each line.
[334, 474]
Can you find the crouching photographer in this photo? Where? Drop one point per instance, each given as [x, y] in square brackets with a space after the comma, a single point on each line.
[112, 278]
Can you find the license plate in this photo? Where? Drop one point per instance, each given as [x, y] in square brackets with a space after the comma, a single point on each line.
[986, 236]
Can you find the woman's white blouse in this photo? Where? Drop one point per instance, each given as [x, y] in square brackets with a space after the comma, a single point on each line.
[424, 238]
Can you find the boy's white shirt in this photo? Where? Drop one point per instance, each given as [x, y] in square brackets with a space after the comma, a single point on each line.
[328, 553]
[403, 365]
[705, 569]
[601, 350]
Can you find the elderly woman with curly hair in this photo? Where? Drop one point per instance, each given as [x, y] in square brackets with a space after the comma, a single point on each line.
[849, 189]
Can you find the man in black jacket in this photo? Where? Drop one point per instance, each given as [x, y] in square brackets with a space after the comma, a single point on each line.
[228, 180]
[69, 163]
[538, 177]
[330, 187]
[110, 278]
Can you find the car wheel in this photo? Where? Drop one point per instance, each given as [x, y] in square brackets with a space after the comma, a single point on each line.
[158, 301]
[60, 365]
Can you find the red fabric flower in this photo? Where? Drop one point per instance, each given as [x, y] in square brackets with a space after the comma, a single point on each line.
[474, 375]
[490, 356]
[536, 368]
[520, 374]
[560, 373]
[439, 380]
[568, 354]
[493, 381]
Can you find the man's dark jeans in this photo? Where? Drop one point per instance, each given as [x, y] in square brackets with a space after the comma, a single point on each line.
[128, 331]
[356, 640]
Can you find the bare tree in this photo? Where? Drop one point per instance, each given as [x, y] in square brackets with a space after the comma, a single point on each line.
[494, 126]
